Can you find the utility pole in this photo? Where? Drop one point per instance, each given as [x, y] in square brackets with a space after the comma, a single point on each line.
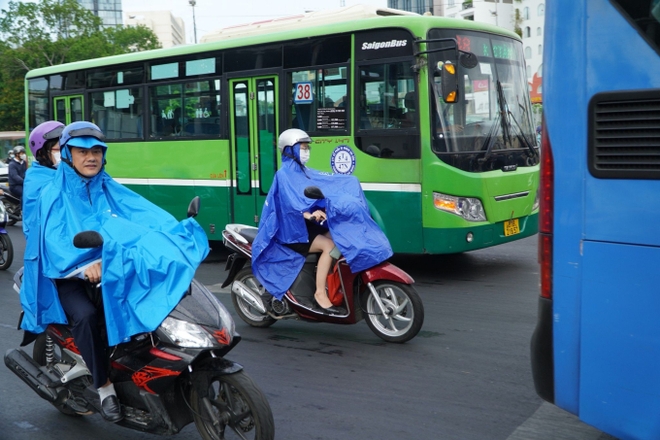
[193, 3]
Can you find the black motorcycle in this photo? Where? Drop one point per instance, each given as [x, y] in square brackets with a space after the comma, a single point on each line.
[6, 246]
[165, 379]
[13, 207]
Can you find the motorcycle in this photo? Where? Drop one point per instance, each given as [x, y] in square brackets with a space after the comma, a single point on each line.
[383, 295]
[6, 246]
[165, 379]
[13, 207]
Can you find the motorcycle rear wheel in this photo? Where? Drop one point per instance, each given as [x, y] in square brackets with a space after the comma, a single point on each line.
[404, 312]
[236, 403]
[248, 313]
[7, 249]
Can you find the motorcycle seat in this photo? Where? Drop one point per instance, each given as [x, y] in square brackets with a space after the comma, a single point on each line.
[249, 234]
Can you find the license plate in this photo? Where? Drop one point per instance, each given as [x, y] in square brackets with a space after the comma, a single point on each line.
[511, 227]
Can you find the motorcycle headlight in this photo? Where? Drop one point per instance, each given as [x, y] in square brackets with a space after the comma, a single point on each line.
[469, 208]
[186, 334]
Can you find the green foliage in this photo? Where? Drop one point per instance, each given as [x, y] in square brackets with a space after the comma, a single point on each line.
[517, 20]
[52, 32]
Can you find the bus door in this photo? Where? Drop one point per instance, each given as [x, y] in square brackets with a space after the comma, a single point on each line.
[69, 109]
[253, 111]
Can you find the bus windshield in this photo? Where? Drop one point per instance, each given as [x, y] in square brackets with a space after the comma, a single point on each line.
[490, 126]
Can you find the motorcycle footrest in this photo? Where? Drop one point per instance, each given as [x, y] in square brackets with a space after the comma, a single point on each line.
[37, 377]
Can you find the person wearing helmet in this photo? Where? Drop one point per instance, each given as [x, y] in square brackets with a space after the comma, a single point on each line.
[293, 225]
[17, 167]
[44, 143]
[294, 145]
[142, 288]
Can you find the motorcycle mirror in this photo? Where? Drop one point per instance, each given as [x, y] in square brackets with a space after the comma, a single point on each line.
[88, 240]
[314, 192]
[193, 208]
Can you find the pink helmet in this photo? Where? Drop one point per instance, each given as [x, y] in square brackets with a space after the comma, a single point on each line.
[42, 133]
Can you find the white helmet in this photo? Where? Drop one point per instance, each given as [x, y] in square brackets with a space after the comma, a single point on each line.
[291, 137]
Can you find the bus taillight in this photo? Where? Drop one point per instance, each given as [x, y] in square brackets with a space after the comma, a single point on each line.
[546, 213]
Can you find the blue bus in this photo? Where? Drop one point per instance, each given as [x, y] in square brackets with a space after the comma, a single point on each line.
[596, 347]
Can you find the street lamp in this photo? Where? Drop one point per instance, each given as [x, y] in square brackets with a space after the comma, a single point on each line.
[193, 3]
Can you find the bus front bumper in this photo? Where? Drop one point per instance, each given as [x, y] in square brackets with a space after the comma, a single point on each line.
[457, 240]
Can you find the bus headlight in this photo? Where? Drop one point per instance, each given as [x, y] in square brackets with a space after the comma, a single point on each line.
[469, 208]
[535, 206]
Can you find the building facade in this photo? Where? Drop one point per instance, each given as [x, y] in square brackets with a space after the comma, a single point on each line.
[170, 30]
[532, 23]
[107, 10]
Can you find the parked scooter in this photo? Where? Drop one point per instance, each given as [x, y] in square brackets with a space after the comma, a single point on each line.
[6, 246]
[383, 295]
[164, 379]
[13, 207]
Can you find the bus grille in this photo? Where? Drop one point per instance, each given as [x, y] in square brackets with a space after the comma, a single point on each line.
[624, 135]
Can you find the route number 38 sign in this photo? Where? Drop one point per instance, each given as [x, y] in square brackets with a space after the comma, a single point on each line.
[304, 93]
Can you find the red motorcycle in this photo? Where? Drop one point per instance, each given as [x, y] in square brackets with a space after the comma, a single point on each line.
[383, 295]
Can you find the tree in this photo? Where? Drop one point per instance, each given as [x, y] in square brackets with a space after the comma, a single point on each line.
[517, 20]
[52, 32]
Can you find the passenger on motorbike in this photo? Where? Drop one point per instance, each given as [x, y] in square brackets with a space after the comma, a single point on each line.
[44, 143]
[148, 257]
[286, 233]
[294, 146]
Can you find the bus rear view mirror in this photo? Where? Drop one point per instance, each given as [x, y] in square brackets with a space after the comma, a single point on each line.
[468, 60]
[449, 82]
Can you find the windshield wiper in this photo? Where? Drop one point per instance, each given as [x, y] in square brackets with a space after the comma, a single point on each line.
[521, 135]
[503, 120]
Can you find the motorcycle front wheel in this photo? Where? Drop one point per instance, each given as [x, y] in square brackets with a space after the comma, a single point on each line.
[7, 252]
[403, 313]
[248, 313]
[233, 407]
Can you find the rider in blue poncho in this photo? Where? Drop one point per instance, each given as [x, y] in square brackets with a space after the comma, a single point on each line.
[145, 265]
[286, 233]
[44, 143]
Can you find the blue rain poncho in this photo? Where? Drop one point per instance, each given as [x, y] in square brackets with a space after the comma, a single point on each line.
[354, 232]
[148, 257]
[36, 177]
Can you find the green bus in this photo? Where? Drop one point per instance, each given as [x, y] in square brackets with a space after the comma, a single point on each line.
[431, 114]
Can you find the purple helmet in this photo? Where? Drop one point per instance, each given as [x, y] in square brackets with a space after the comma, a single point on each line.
[42, 133]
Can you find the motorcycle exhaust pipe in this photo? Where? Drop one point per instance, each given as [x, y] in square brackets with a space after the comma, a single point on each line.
[249, 295]
[32, 374]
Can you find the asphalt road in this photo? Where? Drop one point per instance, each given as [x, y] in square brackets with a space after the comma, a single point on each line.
[466, 376]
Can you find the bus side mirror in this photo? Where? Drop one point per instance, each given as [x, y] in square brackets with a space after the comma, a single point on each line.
[449, 81]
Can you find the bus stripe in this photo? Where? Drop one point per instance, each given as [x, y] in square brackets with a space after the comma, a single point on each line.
[173, 182]
[383, 187]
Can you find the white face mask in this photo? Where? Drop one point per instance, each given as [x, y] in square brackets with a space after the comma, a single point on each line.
[57, 157]
[304, 156]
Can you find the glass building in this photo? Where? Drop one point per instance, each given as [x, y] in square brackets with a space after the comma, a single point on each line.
[107, 10]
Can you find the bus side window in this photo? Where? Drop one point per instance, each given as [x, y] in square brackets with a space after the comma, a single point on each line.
[118, 113]
[318, 96]
[387, 120]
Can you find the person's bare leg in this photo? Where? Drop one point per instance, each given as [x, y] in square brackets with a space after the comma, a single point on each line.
[322, 244]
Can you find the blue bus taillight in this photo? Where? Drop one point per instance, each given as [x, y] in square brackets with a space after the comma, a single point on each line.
[546, 189]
